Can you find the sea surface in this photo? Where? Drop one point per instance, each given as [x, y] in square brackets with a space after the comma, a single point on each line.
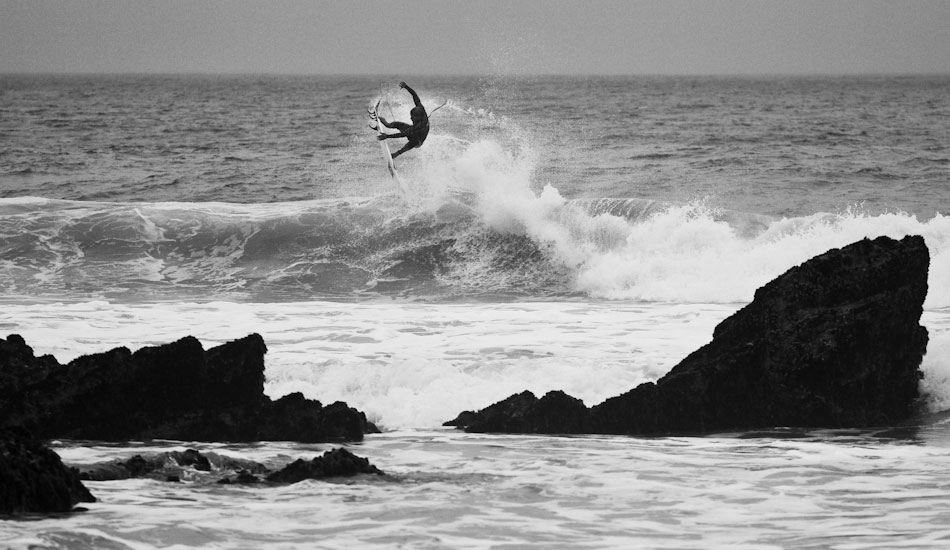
[581, 234]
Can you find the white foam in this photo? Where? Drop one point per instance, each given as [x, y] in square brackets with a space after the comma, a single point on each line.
[683, 254]
[935, 387]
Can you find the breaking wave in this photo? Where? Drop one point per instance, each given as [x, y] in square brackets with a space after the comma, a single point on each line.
[484, 246]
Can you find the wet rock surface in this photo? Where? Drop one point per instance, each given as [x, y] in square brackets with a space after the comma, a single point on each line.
[33, 479]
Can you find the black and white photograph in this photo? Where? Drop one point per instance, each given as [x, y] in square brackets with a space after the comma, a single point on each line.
[472, 275]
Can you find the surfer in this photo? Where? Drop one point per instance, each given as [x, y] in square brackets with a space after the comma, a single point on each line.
[416, 132]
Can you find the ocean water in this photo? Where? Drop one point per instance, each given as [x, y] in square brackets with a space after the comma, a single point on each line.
[582, 234]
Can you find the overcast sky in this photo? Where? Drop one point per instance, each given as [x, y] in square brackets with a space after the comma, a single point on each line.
[477, 37]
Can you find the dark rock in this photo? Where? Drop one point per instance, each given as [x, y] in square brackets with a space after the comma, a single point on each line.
[213, 468]
[834, 342]
[466, 418]
[333, 463]
[295, 418]
[33, 479]
[158, 466]
[21, 367]
[173, 391]
[556, 412]
[504, 416]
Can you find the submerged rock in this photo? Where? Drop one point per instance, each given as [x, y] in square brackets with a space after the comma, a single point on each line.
[172, 391]
[158, 466]
[206, 468]
[333, 463]
[834, 342]
[33, 479]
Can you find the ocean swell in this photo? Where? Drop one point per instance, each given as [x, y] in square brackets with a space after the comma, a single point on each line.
[490, 247]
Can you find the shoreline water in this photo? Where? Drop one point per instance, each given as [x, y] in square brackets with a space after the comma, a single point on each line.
[456, 490]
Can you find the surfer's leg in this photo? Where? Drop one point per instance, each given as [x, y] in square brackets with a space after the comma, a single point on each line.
[404, 148]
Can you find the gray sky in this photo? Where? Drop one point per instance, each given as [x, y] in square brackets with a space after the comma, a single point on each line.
[476, 36]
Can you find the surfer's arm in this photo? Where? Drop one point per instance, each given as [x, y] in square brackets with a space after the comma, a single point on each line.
[415, 96]
[381, 136]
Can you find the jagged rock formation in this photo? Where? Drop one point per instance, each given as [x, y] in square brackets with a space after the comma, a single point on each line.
[834, 342]
[172, 391]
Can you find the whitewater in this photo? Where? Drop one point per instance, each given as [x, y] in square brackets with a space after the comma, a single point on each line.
[524, 257]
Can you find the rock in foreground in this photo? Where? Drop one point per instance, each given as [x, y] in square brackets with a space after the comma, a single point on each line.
[173, 391]
[33, 479]
[835, 342]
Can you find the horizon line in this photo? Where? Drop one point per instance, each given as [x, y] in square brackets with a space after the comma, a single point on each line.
[476, 75]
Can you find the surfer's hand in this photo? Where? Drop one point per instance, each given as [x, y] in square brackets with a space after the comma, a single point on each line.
[381, 137]
[403, 85]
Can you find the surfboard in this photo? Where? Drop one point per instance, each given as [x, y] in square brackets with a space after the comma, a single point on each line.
[387, 154]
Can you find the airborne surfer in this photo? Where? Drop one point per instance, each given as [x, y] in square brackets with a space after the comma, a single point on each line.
[416, 132]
